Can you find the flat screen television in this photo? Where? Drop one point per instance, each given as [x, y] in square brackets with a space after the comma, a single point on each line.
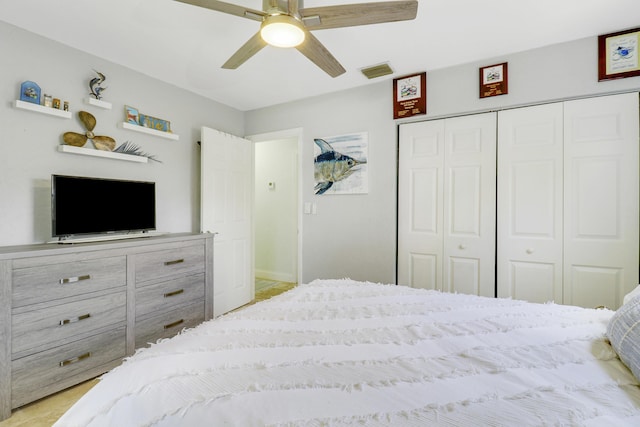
[82, 206]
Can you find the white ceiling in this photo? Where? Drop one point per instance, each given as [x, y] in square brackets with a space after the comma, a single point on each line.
[185, 45]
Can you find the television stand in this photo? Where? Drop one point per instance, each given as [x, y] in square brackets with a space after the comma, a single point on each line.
[69, 313]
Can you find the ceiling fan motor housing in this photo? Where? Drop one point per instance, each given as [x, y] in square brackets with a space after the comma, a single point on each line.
[280, 7]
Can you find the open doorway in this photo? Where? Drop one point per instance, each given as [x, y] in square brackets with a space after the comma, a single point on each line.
[276, 213]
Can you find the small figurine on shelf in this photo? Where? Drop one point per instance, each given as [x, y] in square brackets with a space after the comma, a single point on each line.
[94, 85]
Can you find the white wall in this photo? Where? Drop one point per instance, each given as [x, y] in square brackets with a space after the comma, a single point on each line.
[29, 140]
[276, 219]
[355, 236]
[350, 236]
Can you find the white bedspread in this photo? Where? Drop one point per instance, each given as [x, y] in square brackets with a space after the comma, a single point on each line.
[338, 352]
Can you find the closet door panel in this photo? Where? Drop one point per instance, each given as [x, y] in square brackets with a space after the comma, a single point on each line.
[529, 205]
[420, 198]
[532, 281]
[469, 204]
[601, 200]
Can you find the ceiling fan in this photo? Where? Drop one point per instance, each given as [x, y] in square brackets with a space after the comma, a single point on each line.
[287, 23]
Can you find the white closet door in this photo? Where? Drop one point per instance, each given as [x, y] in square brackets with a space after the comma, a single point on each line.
[529, 226]
[601, 200]
[420, 195]
[469, 204]
[226, 209]
[446, 204]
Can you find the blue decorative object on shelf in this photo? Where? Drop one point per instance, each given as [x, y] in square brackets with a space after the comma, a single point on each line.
[30, 92]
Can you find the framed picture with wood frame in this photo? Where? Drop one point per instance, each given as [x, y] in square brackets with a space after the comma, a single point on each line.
[494, 80]
[410, 96]
[618, 55]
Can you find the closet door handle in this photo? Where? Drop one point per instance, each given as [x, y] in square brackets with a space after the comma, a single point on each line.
[530, 251]
[463, 247]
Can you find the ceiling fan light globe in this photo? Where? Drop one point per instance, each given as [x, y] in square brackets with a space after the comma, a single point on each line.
[282, 31]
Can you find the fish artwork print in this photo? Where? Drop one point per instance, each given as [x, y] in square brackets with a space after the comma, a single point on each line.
[340, 165]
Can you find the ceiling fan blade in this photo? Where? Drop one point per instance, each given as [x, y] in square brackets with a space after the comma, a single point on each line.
[350, 15]
[229, 8]
[104, 143]
[87, 120]
[319, 55]
[75, 139]
[250, 48]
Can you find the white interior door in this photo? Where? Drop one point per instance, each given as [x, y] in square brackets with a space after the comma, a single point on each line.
[469, 204]
[420, 199]
[226, 209]
[446, 204]
[529, 226]
[601, 200]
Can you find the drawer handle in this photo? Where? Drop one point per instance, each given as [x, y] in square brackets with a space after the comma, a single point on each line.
[75, 319]
[75, 359]
[174, 293]
[75, 279]
[176, 323]
[175, 261]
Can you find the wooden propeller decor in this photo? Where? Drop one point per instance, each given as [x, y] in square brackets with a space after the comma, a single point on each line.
[300, 21]
[105, 143]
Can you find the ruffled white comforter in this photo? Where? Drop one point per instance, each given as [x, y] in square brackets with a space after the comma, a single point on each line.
[338, 352]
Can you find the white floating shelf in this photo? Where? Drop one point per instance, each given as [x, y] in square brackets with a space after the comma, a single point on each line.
[142, 129]
[98, 103]
[100, 153]
[42, 109]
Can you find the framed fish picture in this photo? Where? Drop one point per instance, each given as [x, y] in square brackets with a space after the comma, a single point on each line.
[618, 55]
[340, 164]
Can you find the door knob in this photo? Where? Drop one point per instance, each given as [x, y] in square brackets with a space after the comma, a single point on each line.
[462, 247]
[530, 251]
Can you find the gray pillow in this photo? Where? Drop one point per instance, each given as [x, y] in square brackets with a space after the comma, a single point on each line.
[624, 333]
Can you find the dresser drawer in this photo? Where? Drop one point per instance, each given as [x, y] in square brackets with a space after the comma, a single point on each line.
[54, 325]
[163, 296]
[51, 282]
[170, 262]
[38, 375]
[168, 324]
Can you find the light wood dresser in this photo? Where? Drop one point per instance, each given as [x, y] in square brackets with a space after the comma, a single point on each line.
[70, 312]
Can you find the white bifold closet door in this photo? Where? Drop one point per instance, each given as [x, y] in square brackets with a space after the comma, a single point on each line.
[530, 191]
[601, 200]
[446, 204]
[568, 201]
[227, 209]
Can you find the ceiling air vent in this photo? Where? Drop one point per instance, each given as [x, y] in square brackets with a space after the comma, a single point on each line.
[377, 71]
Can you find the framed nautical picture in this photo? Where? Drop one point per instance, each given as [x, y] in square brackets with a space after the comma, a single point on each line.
[494, 80]
[340, 164]
[30, 92]
[154, 123]
[131, 115]
[410, 96]
[618, 55]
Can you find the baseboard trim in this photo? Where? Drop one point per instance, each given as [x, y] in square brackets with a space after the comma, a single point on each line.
[276, 276]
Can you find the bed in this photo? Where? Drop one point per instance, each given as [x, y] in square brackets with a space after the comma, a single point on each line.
[341, 352]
